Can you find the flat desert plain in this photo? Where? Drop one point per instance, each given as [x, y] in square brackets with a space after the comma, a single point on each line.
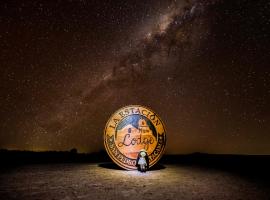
[101, 181]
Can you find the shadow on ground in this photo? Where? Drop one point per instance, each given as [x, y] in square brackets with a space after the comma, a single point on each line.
[111, 165]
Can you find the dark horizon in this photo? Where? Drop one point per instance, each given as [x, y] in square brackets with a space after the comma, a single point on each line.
[251, 166]
[103, 152]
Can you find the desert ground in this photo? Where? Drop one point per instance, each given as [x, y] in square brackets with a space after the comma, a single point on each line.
[104, 181]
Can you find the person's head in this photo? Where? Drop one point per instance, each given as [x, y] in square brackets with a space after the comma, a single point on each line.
[143, 152]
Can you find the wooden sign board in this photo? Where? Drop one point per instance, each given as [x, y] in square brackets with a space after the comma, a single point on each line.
[131, 129]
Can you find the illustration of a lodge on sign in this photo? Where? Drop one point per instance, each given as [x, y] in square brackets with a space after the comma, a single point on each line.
[130, 140]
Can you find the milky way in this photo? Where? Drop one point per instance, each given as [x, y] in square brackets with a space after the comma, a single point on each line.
[201, 65]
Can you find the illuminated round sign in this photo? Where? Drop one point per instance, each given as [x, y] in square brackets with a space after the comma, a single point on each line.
[131, 129]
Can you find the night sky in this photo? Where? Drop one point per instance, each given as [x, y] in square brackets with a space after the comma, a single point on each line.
[203, 66]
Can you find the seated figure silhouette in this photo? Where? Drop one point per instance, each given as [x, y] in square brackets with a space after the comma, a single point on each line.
[142, 161]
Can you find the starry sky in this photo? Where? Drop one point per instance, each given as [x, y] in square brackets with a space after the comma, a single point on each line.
[202, 65]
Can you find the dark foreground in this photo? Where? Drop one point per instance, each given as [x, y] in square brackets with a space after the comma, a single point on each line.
[105, 181]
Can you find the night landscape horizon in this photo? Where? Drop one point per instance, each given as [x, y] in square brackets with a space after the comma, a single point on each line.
[67, 66]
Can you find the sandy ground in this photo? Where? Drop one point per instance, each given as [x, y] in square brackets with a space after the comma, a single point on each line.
[91, 181]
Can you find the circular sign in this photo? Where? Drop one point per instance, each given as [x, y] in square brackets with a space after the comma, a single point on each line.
[131, 129]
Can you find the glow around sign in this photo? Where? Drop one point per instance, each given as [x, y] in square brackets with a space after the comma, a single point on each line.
[131, 129]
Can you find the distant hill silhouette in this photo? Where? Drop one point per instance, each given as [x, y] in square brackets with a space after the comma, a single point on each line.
[256, 166]
[10, 157]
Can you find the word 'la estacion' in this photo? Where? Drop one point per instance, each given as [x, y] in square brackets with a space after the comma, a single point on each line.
[131, 111]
